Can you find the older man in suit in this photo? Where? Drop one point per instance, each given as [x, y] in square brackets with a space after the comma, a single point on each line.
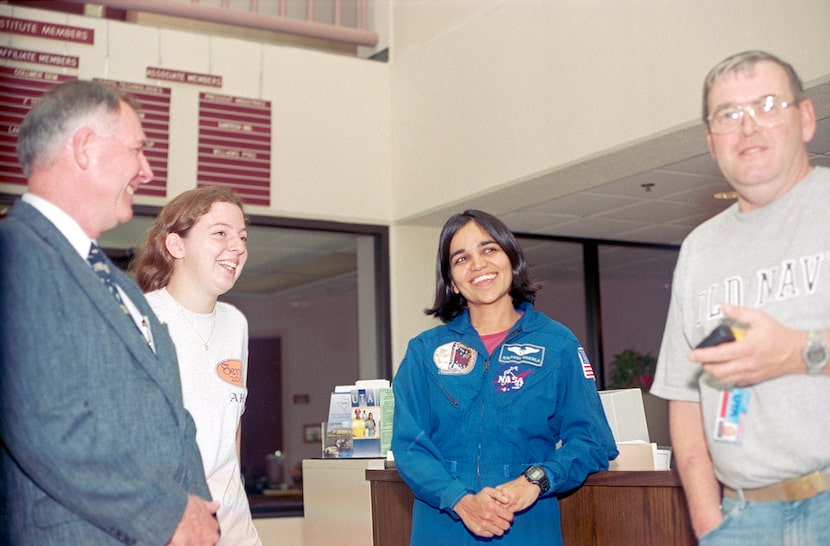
[97, 446]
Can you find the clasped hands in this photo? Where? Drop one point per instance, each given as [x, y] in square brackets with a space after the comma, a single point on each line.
[768, 350]
[489, 512]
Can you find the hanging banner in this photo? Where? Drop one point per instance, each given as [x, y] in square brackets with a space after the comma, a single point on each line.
[235, 146]
[50, 31]
[39, 57]
[154, 103]
[20, 88]
[206, 80]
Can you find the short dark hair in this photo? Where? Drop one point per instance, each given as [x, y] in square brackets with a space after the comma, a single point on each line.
[448, 304]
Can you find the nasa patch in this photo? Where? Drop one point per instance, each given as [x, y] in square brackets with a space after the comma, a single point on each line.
[522, 353]
[511, 377]
[454, 358]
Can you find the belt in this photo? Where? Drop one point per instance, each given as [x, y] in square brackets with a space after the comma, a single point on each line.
[795, 489]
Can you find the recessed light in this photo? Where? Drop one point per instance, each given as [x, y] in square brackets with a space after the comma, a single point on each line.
[726, 195]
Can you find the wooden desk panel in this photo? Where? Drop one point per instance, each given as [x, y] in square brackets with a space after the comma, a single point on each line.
[611, 508]
[391, 508]
[646, 507]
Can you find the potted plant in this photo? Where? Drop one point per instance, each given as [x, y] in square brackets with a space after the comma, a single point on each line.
[631, 368]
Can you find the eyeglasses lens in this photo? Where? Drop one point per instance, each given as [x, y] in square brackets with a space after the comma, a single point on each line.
[766, 112]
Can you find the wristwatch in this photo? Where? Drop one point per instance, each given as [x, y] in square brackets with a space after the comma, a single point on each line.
[536, 475]
[815, 352]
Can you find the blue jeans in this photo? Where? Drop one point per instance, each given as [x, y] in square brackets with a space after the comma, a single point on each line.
[799, 523]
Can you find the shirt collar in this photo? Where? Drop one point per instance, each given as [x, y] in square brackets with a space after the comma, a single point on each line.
[68, 227]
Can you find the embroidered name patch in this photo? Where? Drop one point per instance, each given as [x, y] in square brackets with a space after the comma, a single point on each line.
[454, 358]
[522, 354]
[511, 378]
[587, 370]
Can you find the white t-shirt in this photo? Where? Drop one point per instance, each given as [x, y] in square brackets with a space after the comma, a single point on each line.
[776, 258]
[212, 350]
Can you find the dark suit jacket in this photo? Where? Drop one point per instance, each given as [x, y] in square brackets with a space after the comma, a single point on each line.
[97, 446]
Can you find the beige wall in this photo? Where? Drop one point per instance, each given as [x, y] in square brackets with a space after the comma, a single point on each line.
[526, 87]
[478, 96]
[412, 278]
[330, 113]
[504, 91]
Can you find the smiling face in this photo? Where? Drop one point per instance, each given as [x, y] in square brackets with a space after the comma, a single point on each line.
[210, 258]
[761, 163]
[112, 152]
[480, 269]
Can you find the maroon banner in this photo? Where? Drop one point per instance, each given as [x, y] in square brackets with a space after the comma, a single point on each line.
[235, 146]
[154, 103]
[39, 57]
[206, 80]
[20, 88]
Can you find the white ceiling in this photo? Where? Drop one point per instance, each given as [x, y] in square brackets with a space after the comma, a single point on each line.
[660, 205]
[654, 191]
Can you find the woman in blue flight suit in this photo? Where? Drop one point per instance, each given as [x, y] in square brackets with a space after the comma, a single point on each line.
[496, 411]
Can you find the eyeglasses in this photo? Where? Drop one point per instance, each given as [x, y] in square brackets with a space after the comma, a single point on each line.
[766, 112]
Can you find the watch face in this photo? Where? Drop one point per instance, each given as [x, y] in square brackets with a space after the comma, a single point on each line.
[816, 354]
[535, 473]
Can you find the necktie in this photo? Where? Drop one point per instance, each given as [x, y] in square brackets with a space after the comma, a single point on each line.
[101, 267]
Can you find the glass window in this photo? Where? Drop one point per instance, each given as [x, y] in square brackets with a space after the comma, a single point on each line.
[559, 267]
[635, 287]
[316, 297]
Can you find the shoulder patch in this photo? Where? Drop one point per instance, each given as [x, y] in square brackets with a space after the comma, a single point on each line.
[587, 370]
[454, 358]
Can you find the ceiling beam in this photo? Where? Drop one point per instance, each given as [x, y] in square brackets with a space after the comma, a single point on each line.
[246, 19]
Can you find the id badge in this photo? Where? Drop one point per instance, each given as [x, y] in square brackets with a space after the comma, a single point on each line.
[730, 424]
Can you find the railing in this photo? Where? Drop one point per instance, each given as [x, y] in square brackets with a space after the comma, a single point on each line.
[272, 15]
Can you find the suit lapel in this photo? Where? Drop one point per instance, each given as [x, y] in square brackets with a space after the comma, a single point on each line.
[122, 328]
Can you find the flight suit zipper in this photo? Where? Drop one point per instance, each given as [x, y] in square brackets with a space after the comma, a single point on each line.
[445, 391]
[507, 338]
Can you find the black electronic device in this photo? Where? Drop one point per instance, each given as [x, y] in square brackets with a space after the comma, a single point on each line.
[727, 330]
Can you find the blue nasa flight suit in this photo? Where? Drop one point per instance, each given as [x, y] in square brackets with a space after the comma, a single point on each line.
[465, 420]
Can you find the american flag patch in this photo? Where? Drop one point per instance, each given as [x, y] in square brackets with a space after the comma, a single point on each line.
[587, 370]
[460, 356]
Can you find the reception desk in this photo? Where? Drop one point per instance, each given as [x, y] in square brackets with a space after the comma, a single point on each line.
[611, 508]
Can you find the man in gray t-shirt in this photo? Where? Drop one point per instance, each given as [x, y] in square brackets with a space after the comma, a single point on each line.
[749, 419]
